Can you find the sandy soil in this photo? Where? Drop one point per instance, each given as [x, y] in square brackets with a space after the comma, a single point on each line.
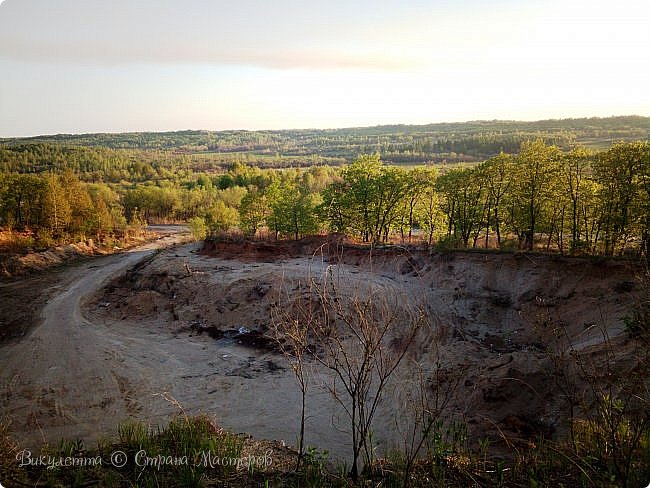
[138, 334]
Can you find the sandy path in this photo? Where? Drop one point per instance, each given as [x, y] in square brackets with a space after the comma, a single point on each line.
[64, 378]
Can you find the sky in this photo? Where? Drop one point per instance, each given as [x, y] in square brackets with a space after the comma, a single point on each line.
[80, 66]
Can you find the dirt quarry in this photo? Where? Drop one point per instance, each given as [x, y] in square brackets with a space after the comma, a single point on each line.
[191, 327]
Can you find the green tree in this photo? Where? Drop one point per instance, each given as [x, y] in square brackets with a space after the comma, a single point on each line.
[576, 173]
[22, 201]
[109, 213]
[619, 171]
[536, 169]
[428, 212]
[221, 217]
[154, 203]
[462, 194]
[81, 205]
[198, 227]
[232, 196]
[356, 195]
[253, 211]
[293, 209]
[642, 151]
[391, 188]
[56, 206]
[497, 174]
[366, 199]
[418, 182]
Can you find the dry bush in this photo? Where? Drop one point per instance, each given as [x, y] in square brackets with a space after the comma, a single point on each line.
[359, 332]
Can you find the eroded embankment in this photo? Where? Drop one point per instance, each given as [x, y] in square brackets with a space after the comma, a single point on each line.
[491, 319]
[484, 293]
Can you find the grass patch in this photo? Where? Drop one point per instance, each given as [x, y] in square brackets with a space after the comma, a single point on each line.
[194, 452]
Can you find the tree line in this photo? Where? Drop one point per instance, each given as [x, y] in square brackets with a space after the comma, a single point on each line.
[576, 201]
[541, 198]
[59, 207]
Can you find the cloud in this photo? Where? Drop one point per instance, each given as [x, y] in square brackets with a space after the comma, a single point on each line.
[283, 34]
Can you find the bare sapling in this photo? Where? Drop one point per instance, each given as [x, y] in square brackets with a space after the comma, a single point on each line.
[292, 321]
[361, 338]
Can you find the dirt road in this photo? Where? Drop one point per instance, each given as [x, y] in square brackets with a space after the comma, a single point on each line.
[64, 379]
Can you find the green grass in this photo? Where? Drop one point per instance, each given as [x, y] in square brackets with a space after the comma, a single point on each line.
[173, 457]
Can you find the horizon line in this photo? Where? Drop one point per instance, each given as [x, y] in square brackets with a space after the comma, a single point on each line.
[377, 126]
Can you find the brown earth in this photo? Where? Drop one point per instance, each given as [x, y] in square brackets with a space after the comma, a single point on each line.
[29, 279]
[195, 325]
[499, 322]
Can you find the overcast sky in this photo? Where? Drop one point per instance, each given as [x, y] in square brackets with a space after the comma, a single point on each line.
[72, 66]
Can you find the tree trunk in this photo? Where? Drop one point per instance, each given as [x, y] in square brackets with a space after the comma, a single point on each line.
[301, 440]
[487, 228]
[497, 225]
[531, 232]
[574, 226]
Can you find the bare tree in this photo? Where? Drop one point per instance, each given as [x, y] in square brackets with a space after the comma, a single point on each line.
[292, 321]
[362, 338]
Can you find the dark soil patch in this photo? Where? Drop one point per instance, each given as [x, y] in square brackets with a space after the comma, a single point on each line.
[21, 302]
[271, 251]
[248, 338]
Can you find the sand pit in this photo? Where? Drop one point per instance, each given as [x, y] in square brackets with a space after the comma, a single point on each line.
[196, 327]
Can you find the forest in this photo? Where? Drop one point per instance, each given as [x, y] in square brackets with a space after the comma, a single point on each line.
[398, 144]
[536, 188]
